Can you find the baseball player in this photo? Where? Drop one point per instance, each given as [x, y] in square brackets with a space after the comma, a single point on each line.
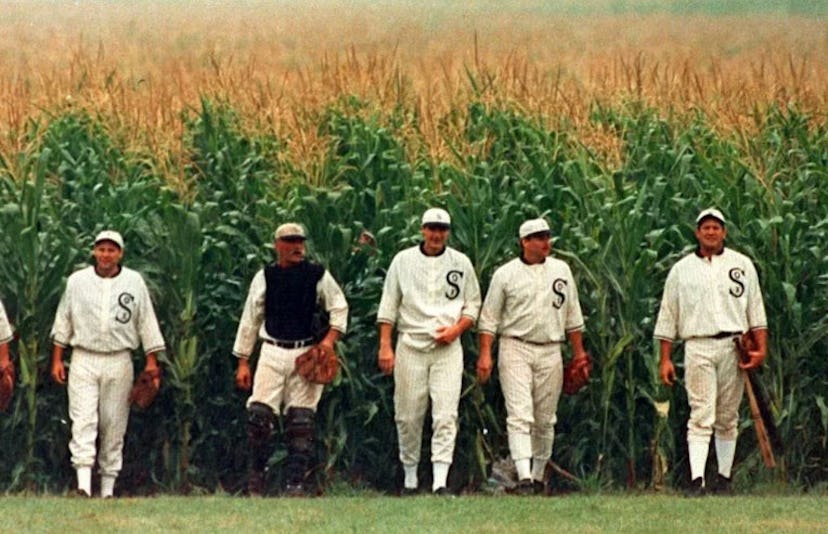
[710, 297]
[532, 304]
[432, 295]
[104, 314]
[6, 335]
[280, 307]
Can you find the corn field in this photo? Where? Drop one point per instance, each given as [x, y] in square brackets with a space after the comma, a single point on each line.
[197, 146]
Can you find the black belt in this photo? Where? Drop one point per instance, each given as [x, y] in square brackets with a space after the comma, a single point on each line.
[722, 335]
[290, 344]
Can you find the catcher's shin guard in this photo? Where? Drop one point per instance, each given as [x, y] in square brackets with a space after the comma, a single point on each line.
[300, 431]
[259, 428]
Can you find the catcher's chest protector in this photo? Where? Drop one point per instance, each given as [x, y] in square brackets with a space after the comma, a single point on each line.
[290, 300]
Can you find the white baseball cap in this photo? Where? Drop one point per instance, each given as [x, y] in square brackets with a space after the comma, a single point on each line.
[110, 235]
[288, 230]
[436, 216]
[533, 226]
[710, 212]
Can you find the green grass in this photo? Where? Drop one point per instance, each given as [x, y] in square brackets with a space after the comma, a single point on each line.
[594, 513]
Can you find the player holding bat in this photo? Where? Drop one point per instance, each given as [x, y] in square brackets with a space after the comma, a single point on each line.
[711, 296]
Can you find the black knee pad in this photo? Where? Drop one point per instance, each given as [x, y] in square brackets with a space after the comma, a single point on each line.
[259, 423]
[300, 429]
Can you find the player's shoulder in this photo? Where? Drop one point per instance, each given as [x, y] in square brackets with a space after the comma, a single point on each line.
[81, 274]
[456, 255]
[736, 256]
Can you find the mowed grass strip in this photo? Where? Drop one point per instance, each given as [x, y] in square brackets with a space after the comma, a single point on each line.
[592, 513]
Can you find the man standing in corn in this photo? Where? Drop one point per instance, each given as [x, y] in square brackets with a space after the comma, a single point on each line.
[105, 313]
[710, 297]
[432, 295]
[280, 306]
[6, 365]
[532, 304]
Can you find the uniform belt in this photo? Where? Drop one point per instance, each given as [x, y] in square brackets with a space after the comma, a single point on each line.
[290, 344]
[722, 335]
[536, 343]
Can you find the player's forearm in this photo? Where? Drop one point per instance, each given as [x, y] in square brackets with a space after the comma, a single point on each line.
[576, 341]
[57, 354]
[385, 335]
[666, 350]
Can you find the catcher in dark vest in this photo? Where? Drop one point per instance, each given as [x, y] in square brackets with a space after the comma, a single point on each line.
[283, 307]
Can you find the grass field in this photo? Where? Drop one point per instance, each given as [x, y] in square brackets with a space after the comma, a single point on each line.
[595, 513]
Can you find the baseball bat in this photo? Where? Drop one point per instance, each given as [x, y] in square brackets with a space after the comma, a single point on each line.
[767, 435]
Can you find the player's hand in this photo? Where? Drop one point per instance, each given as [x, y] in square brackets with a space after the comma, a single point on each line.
[667, 372]
[447, 334]
[244, 379]
[755, 361]
[152, 368]
[59, 372]
[484, 367]
[386, 360]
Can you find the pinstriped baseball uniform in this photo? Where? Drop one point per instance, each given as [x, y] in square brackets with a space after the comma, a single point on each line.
[276, 382]
[6, 333]
[703, 298]
[706, 302]
[532, 308]
[103, 320]
[421, 294]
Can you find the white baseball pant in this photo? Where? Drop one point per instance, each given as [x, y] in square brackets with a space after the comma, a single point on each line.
[419, 375]
[714, 388]
[276, 381]
[99, 385]
[531, 377]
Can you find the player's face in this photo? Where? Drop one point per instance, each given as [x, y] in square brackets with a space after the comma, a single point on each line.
[711, 235]
[536, 247]
[290, 250]
[107, 257]
[434, 238]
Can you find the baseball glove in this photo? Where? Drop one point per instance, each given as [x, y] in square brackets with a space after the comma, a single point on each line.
[318, 364]
[145, 390]
[576, 374]
[6, 386]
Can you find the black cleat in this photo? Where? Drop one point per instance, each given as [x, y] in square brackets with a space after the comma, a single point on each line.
[696, 488]
[443, 491]
[722, 485]
[538, 487]
[525, 487]
[295, 490]
[78, 493]
[409, 492]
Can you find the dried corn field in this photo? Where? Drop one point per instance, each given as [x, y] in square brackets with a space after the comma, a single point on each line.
[209, 124]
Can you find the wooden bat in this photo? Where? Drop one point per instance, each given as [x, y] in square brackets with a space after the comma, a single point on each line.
[767, 435]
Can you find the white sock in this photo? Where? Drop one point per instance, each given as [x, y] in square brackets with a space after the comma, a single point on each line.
[524, 468]
[538, 468]
[698, 458]
[725, 451]
[410, 476]
[107, 486]
[440, 475]
[85, 479]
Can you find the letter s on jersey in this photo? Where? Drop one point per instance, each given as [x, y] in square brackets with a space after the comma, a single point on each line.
[453, 278]
[559, 287]
[737, 275]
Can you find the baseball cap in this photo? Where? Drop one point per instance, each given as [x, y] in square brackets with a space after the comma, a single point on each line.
[533, 226]
[710, 212]
[110, 235]
[436, 216]
[288, 230]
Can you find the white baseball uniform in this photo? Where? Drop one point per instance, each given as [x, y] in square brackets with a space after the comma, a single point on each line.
[6, 333]
[276, 382]
[103, 320]
[707, 302]
[422, 293]
[532, 308]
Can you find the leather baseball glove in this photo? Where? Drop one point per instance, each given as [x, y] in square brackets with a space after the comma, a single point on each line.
[6, 386]
[318, 364]
[145, 390]
[576, 374]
